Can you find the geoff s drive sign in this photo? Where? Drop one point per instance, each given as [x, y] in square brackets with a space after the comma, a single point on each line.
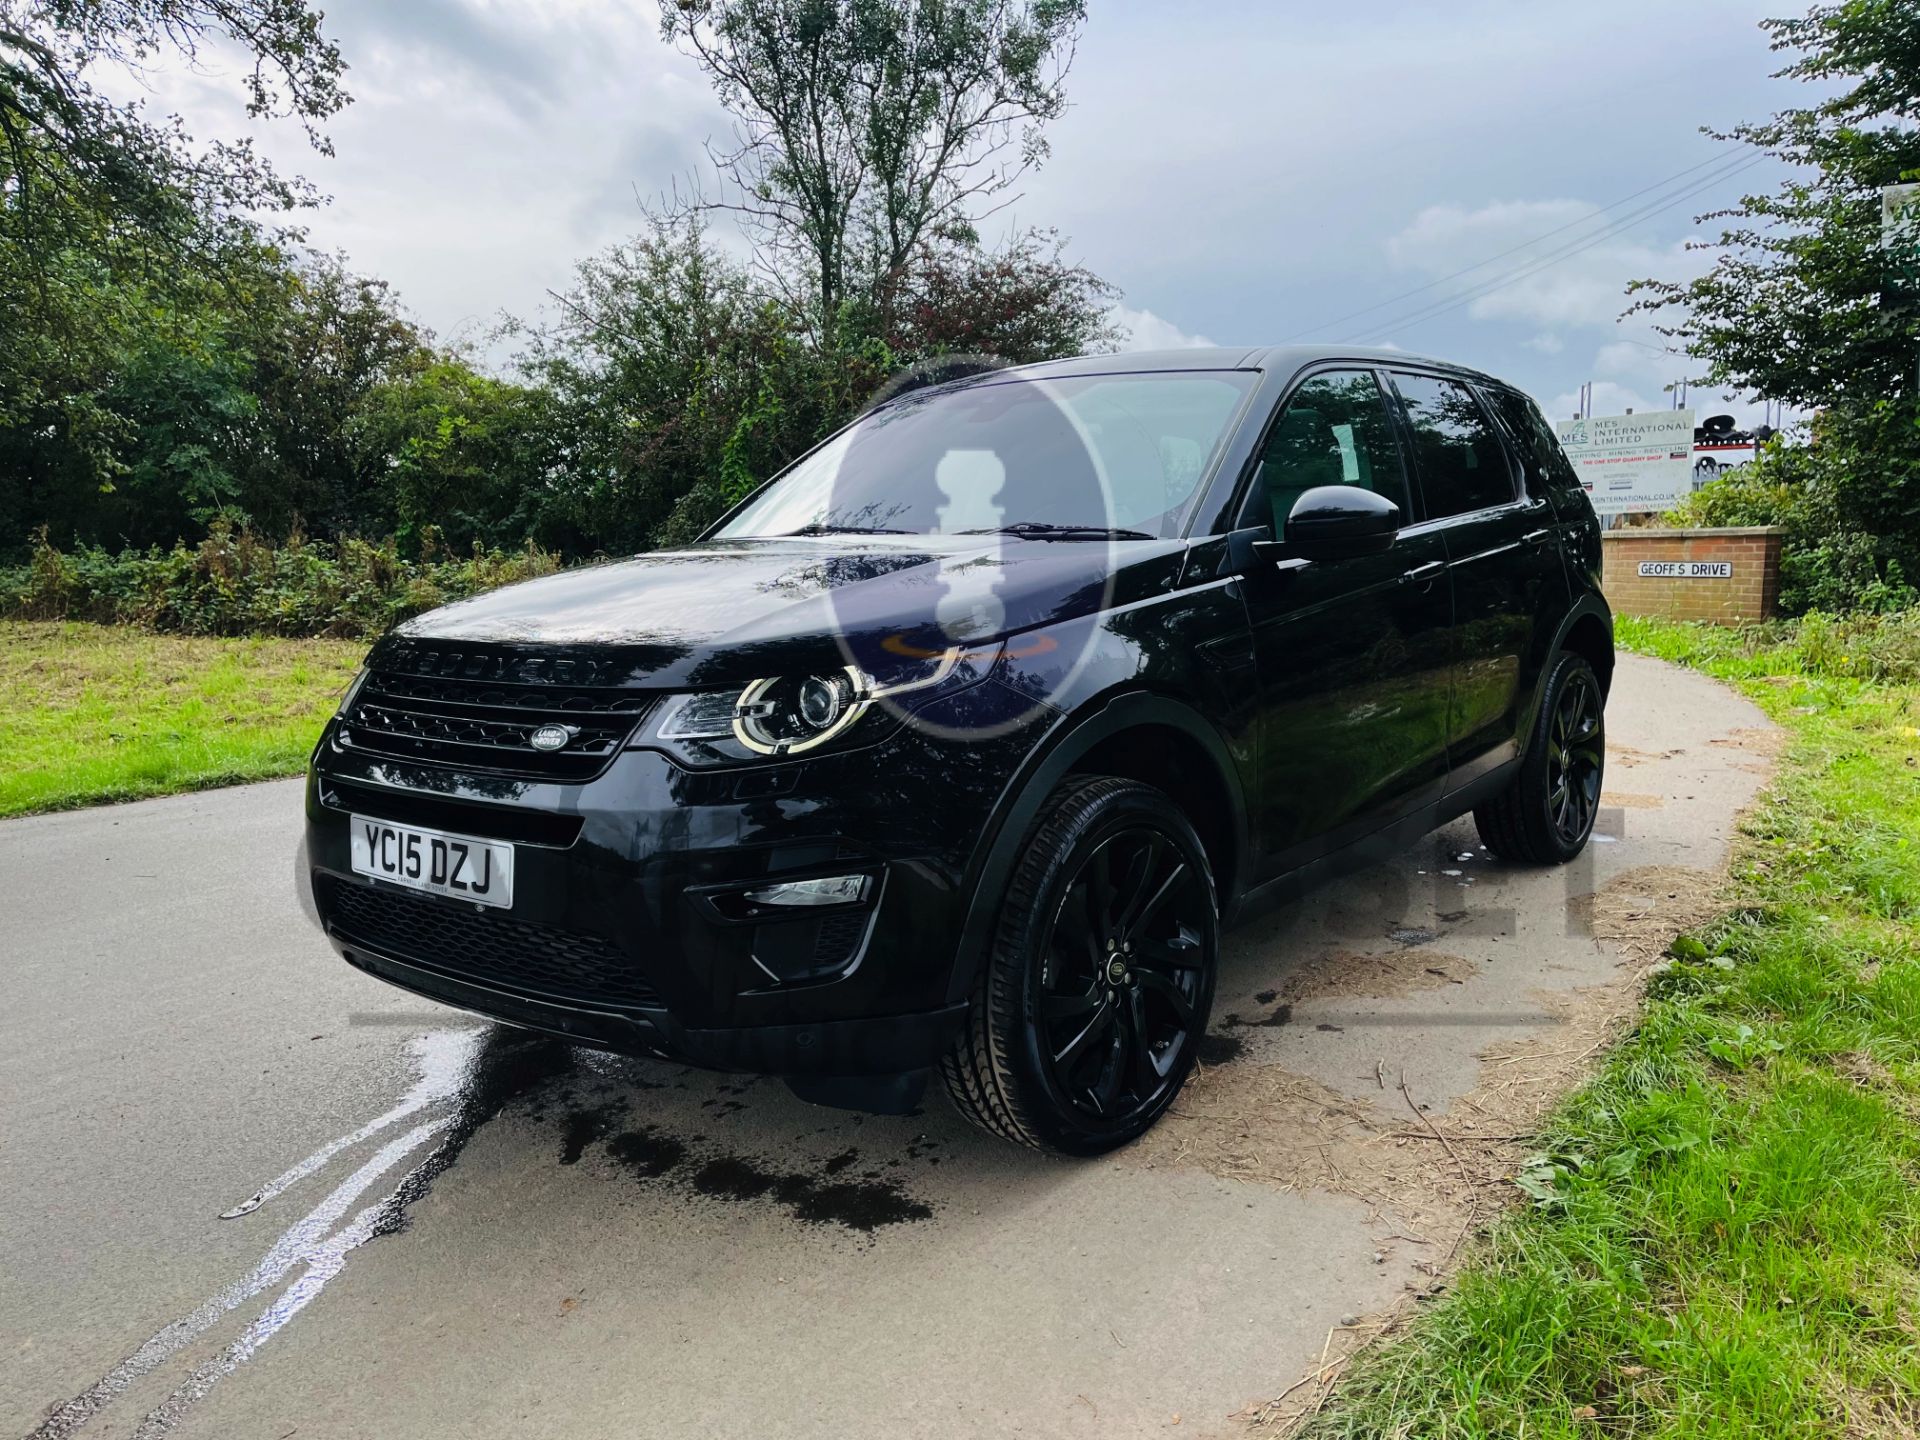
[1632, 464]
[1687, 569]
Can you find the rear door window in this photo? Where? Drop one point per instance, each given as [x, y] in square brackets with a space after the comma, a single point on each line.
[1464, 466]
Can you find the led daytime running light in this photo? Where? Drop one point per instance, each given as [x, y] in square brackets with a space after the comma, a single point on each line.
[753, 708]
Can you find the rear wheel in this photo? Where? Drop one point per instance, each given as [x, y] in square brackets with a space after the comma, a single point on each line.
[1093, 1001]
[1546, 816]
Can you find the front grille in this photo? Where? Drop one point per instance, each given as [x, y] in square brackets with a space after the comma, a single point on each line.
[520, 824]
[486, 947]
[487, 726]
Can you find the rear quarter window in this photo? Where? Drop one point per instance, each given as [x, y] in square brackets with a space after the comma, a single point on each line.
[1534, 438]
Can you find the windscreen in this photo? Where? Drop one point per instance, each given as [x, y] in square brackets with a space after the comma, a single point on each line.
[1105, 452]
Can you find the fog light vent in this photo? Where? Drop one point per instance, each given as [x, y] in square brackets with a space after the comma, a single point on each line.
[811, 945]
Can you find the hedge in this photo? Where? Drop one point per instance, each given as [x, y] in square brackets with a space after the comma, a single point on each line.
[236, 583]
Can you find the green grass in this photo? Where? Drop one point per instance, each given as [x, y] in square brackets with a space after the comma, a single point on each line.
[91, 713]
[1720, 1235]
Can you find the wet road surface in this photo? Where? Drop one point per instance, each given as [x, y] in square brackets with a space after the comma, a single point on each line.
[246, 1191]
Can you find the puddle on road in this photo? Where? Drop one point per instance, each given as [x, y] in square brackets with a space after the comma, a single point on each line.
[645, 1153]
[864, 1205]
[462, 1080]
[583, 1127]
[1280, 1015]
[823, 1194]
[1217, 1049]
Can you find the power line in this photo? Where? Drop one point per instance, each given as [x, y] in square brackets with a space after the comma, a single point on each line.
[1626, 222]
[1617, 226]
[1524, 244]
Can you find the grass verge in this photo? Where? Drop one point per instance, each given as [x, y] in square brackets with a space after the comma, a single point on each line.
[91, 713]
[1720, 1234]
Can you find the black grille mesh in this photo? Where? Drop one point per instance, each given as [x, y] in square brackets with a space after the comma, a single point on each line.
[487, 727]
[839, 936]
[487, 947]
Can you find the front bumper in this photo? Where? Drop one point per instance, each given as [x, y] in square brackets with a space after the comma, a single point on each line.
[633, 880]
[878, 1046]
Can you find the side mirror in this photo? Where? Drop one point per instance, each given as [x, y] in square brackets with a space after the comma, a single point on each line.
[1340, 522]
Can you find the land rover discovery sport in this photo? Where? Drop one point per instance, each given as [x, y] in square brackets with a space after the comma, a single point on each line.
[955, 747]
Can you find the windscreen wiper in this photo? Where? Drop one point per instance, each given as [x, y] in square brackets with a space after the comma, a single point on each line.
[844, 530]
[1042, 530]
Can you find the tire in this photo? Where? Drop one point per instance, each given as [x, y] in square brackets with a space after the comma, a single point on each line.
[1075, 1045]
[1546, 816]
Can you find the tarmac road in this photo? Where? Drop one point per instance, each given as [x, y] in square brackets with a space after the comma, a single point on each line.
[455, 1229]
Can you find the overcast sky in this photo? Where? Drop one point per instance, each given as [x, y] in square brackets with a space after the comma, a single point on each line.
[1244, 172]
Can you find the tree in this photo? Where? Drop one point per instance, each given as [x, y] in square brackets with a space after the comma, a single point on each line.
[323, 341]
[95, 344]
[1806, 302]
[1022, 303]
[678, 384]
[865, 128]
[1797, 306]
[115, 232]
[137, 413]
[457, 454]
[66, 148]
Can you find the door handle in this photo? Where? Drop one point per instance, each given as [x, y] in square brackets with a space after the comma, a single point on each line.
[1537, 538]
[1422, 574]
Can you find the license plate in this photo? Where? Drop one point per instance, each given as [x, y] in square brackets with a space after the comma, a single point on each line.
[459, 866]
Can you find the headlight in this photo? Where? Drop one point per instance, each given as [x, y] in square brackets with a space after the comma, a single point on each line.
[792, 714]
[784, 716]
[707, 716]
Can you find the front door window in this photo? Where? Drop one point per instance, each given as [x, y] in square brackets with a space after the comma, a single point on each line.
[1334, 431]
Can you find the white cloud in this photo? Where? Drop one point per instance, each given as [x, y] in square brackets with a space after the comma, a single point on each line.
[491, 145]
[1609, 398]
[1561, 272]
[1145, 330]
[1626, 357]
[1581, 292]
[494, 143]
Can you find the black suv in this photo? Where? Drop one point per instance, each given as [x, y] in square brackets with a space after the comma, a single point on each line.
[956, 746]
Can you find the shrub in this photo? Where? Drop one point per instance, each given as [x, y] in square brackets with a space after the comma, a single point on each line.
[1859, 646]
[235, 583]
[1750, 495]
[1852, 540]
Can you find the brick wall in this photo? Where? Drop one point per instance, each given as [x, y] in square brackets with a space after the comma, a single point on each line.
[1751, 593]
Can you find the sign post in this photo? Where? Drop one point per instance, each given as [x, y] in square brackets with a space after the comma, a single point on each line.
[1632, 464]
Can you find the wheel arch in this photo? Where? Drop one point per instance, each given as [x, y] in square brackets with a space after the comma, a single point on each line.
[1136, 735]
[1586, 630]
[1589, 634]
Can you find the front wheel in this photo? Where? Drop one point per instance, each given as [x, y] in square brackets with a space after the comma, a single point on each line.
[1092, 1003]
[1546, 816]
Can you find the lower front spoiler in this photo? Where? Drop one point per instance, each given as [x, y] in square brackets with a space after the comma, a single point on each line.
[825, 1062]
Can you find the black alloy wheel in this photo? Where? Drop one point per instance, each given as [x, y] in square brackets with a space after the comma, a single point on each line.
[1090, 1009]
[1546, 816]
[1575, 758]
[1121, 976]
